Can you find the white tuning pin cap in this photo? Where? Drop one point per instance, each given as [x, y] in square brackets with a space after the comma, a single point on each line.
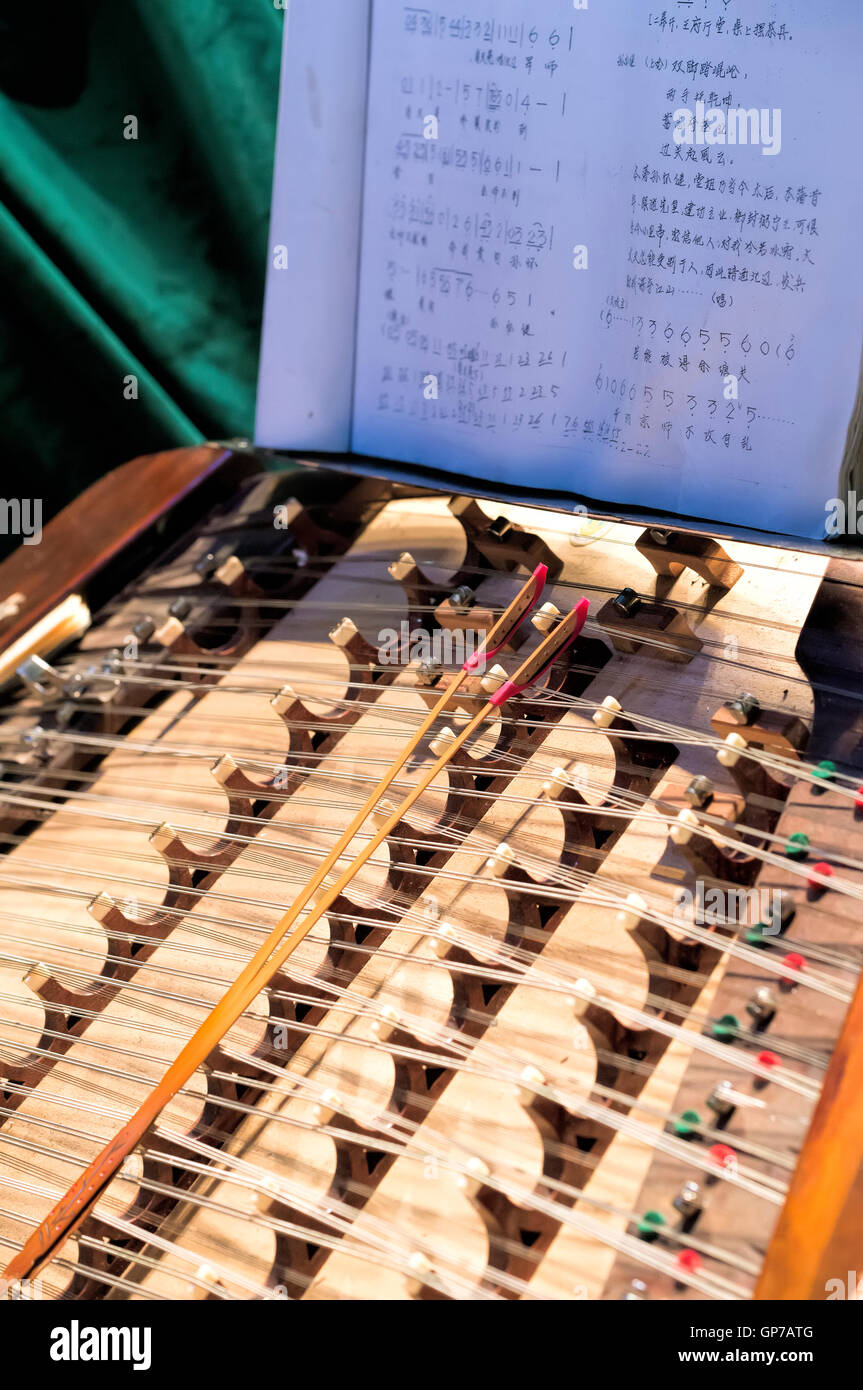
[498, 863]
[634, 908]
[441, 743]
[167, 634]
[37, 977]
[101, 906]
[327, 1107]
[282, 702]
[476, 1174]
[608, 711]
[132, 1167]
[401, 568]
[493, 679]
[421, 1268]
[583, 989]
[207, 1276]
[382, 813]
[682, 828]
[728, 755]
[557, 784]
[444, 940]
[343, 632]
[266, 1196]
[224, 767]
[530, 1079]
[545, 618]
[386, 1024]
[230, 570]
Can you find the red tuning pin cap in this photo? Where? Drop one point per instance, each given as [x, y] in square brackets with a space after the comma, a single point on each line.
[818, 875]
[689, 1260]
[723, 1154]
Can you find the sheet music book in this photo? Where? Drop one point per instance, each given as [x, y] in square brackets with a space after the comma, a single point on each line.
[604, 247]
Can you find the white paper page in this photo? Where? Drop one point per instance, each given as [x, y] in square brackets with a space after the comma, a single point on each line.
[554, 130]
[305, 378]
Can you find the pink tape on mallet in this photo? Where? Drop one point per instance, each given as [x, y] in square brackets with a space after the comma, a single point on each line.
[509, 688]
[482, 654]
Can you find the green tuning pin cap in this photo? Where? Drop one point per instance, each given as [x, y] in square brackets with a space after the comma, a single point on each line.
[686, 1125]
[826, 770]
[754, 936]
[726, 1028]
[651, 1224]
[797, 845]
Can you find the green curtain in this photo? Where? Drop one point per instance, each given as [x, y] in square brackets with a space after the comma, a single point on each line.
[125, 257]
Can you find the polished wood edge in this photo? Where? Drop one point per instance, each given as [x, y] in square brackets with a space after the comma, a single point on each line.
[96, 527]
[819, 1236]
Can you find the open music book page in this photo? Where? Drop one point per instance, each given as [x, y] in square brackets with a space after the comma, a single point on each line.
[605, 250]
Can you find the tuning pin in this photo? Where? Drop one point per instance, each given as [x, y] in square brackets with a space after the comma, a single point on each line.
[686, 1126]
[325, 1110]
[724, 1156]
[498, 863]
[583, 989]
[627, 603]
[229, 571]
[530, 1079]
[493, 679]
[180, 609]
[428, 672]
[818, 876]
[608, 711]
[204, 1275]
[729, 754]
[682, 828]
[546, 617]
[477, 1173]
[462, 599]
[267, 1196]
[650, 1226]
[421, 1270]
[688, 1203]
[744, 709]
[556, 785]
[726, 1029]
[699, 792]
[382, 813]
[441, 743]
[384, 1026]
[689, 1261]
[632, 912]
[720, 1102]
[444, 941]
[133, 1167]
[143, 630]
[762, 1008]
[795, 964]
[636, 1293]
[769, 1061]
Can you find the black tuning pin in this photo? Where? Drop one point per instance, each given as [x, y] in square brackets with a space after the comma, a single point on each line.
[700, 792]
[689, 1205]
[744, 709]
[762, 1008]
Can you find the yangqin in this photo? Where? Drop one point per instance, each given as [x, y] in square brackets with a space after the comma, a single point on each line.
[515, 954]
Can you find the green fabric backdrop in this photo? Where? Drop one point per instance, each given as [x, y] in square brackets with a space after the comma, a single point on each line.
[127, 257]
